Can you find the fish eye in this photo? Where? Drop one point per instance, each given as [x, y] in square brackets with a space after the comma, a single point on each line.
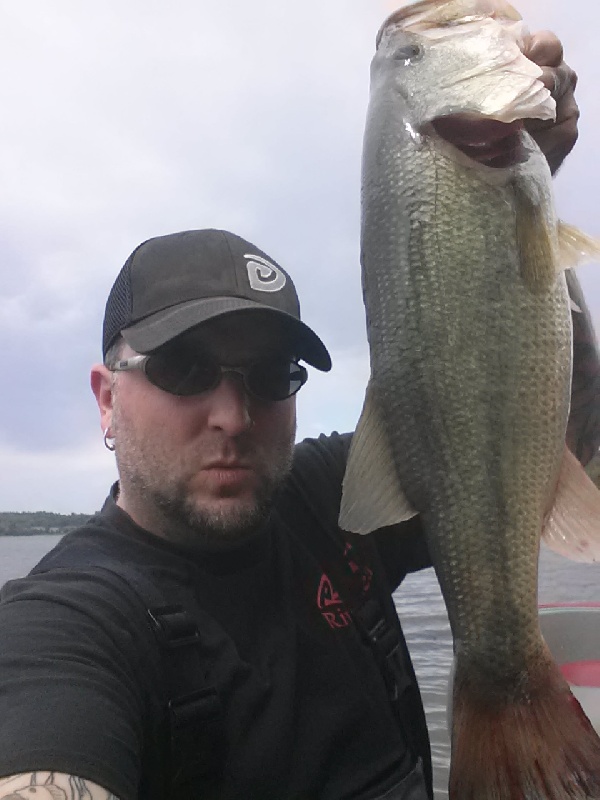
[409, 53]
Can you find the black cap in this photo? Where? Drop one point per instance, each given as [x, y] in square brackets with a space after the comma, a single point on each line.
[172, 283]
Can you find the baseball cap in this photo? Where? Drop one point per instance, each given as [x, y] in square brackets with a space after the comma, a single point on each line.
[172, 283]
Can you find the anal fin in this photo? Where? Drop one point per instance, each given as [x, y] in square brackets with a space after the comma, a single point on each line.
[572, 527]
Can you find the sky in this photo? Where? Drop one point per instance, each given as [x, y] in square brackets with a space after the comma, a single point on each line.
[122, 121]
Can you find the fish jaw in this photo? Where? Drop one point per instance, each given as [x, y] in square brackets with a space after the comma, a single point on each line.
[469, 64]
[486, 141]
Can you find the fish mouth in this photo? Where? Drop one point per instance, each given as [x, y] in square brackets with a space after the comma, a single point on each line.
[482, 139]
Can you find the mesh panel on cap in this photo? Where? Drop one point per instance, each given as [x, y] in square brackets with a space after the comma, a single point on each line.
[118, 307]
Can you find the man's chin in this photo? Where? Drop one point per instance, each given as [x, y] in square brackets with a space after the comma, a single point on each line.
[217, 525]
[229, 519]
[202, 516]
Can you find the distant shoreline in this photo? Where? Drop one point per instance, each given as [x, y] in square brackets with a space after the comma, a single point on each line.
[39, 523]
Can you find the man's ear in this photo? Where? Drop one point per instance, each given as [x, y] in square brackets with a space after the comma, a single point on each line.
[101, 383]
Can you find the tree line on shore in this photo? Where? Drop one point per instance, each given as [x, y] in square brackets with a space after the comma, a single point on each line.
[35, 523]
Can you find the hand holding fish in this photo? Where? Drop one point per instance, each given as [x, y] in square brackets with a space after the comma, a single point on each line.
[555, 138]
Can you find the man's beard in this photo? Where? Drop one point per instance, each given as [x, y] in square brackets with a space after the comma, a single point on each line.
[194, 526]
[165, 504]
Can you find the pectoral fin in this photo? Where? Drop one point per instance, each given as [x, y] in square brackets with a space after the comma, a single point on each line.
[371, 495]
[544, 250]
[536, 242]
[572, 527]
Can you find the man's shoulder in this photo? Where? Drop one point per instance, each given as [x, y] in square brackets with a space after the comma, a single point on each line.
[98, 541]
[334, 444]
[317, 473]
[94, 570]
[322, 459]
[316, 483]
[110, 540]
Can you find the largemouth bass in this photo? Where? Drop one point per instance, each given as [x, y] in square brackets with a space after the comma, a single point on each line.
[470, 336]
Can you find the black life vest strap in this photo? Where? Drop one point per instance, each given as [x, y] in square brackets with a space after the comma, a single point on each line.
[194, 717]
[196, 729]
[367, 612]
[385, 640]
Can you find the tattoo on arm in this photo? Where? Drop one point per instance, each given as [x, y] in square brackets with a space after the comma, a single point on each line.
[51, 786]
[583, 431]
[79, 789]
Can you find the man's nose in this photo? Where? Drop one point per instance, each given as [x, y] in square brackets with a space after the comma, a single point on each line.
[230, 405]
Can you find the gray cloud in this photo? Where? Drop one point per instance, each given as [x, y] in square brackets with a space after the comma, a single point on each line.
[127, 120]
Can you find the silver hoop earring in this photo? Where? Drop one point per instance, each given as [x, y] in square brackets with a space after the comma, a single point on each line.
[109, 446]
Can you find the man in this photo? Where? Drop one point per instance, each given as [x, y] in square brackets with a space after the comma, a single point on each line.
[212, 633]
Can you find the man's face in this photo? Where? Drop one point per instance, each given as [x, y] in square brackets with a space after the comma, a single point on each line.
[203, 469]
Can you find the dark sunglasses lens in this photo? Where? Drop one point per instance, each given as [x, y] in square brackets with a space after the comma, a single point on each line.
[276, 380]
[180, 374]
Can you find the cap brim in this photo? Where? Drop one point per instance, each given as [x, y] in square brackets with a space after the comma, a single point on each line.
[156, 330]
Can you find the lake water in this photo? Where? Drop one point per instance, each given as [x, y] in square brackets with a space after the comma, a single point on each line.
[423, 616]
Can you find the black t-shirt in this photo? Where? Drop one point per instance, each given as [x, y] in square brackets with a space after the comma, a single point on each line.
[306, 711]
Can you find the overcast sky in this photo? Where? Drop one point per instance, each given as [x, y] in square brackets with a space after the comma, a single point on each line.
[125, 120]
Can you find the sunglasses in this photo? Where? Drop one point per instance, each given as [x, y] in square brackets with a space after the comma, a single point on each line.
[187, 374]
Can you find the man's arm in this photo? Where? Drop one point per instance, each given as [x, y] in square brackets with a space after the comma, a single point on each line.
[583, 431]
[74, 689]
[51, 786]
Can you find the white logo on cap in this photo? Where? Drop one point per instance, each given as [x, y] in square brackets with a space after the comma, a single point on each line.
[264, 276]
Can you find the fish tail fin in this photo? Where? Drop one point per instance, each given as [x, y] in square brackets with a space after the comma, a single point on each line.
[539, 745]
